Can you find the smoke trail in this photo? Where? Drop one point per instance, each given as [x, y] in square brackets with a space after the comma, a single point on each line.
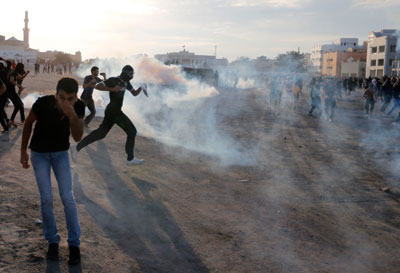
[178, 111]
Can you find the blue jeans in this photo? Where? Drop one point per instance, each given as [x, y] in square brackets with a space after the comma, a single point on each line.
[42, 164]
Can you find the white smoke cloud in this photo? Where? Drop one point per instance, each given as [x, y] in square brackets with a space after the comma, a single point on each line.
[245, 83]
[178, 111]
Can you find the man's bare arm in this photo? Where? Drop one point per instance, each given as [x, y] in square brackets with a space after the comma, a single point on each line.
[26, 134]
[102, 87]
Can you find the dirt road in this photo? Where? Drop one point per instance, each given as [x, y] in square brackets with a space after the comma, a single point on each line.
[310, 202]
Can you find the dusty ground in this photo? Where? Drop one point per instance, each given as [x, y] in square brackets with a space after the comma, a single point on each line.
[311, 203]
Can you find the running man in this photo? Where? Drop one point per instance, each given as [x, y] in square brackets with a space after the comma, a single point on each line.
[56, 116]
[114, 115]
[87, 95]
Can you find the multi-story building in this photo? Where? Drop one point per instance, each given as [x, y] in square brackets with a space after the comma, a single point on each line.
[353, 67]
[341, 44]
[396, 68]
[14, 49]
[345, 63]
[381, 52]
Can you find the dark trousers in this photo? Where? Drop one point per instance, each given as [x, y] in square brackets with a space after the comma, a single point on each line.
[90, 105]
[315, 103]
[387, 99]
[3, 114]
[111, 118]
[369, 105]
[18, 106]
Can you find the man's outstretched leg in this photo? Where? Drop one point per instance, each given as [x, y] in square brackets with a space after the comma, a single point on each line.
[126, 124]
[97, 134]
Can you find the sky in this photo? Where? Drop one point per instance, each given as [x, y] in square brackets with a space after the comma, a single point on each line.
[251, 28]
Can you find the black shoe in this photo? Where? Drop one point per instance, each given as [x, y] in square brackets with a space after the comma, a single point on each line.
[74, 255]
[52, 253]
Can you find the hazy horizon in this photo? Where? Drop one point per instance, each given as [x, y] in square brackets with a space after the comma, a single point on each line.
[249, 28]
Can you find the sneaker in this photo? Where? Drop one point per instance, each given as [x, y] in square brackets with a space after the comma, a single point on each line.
[134, 161]
[52, 253]
[74, 255]
[74, 153]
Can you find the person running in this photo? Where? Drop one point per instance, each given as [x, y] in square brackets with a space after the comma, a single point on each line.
[87, 95]
[114, 115]
[13, 96]
[369, 95]
[56, 116]
[20, 78]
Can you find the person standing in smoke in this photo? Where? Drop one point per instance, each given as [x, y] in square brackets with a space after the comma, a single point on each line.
[56, 117]
[396, 99]
[315, 96]
[387, 89]
[369, 95]
[329, 99]
[87, 95]
[114, 115]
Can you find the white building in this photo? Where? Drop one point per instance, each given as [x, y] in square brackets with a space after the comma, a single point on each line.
[188, 59]
[353, 68]
[17, 50]
[14, 49]
[396, 68]
[381, 52]
[341, 44]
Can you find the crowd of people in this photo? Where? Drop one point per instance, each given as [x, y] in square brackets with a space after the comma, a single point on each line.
[326, 91]
[53, 118]
[51, 67]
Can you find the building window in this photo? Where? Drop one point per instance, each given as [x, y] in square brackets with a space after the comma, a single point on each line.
[393, 48]
[373, 49]
[372, 73]
[382, 49]
[373, 62]
[380, 62]
[390, 62]
[379, 73]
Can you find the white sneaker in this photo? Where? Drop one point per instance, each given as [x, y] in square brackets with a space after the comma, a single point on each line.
[134, 161]
[74, 153]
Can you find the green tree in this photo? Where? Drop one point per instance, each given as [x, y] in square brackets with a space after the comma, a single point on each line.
[291, 61]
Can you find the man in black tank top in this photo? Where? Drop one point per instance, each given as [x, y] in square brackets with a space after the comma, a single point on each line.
[114, 115]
